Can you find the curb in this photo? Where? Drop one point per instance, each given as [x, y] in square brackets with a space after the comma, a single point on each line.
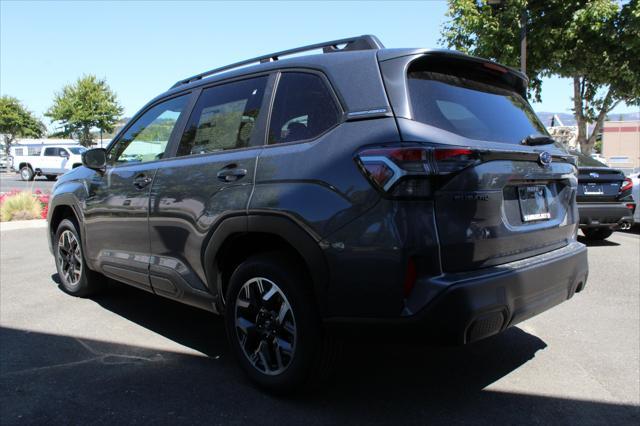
[23, 224]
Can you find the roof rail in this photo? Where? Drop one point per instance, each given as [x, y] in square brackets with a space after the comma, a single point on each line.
[364, 42]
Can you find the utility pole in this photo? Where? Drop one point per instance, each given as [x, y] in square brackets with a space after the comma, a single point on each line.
[496, 5]
[523, 41]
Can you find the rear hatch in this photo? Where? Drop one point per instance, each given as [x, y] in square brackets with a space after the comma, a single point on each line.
[597, 183]
[496, 198]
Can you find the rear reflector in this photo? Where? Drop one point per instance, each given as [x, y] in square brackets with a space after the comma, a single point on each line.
[410, 277]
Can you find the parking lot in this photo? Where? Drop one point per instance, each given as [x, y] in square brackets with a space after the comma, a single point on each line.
[127, 356]
[11, 180]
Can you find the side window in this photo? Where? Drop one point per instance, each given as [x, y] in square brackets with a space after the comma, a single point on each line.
[51, 152]
[147, 139]
[224, 117]
[303, 108]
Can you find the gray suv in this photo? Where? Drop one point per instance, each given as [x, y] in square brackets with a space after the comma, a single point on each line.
[402, 189]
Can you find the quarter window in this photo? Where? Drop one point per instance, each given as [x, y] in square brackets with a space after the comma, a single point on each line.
[303, 108]
[224, 117]
[147, 139]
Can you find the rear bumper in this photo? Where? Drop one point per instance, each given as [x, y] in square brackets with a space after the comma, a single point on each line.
[485, 302]
[603, 215]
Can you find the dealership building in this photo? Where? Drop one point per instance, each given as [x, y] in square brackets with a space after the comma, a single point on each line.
[621, 144]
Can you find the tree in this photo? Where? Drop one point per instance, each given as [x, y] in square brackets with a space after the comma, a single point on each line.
[88, 103]
[591, 42]
[16, 121]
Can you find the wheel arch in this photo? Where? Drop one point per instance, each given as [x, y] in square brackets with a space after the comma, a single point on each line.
[64, 206]
[239, 237]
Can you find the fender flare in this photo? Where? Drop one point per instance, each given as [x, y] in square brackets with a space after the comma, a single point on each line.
[65, 199]
[302, 239]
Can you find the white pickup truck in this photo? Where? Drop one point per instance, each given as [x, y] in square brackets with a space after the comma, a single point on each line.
[49, 160]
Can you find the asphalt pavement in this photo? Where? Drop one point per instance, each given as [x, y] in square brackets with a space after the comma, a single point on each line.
[10, 181]
[131, 357]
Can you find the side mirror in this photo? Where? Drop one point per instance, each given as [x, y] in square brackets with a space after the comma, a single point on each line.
[95, 159]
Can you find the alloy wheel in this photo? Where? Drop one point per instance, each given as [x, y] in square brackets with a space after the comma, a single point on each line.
[69, 258]
[265, 326]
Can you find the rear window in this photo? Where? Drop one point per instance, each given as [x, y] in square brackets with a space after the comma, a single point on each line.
[470, 107]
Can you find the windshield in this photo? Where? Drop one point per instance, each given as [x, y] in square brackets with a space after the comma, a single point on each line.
[586, 161]
[77, 150]
[471, 108]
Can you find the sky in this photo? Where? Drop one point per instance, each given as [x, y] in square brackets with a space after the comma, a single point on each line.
[142, 48]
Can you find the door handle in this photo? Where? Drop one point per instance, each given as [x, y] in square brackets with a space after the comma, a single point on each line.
[231, 173]
[141, 181]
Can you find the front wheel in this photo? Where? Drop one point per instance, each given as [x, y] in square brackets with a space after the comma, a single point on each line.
[26, 173]
[272, 324]
[75, 277]
[597, 233]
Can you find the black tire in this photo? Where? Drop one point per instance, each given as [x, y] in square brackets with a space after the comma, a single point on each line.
[596, 234]
[81, 281]
[51, 177]
[311, 348]
[26, 173]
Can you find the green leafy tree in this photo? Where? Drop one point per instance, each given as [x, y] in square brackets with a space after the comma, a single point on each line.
[592, 42]
[86, 104]
[16, 121]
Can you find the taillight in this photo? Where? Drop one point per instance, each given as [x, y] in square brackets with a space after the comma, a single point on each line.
[410, 171]
[626, 185]
[409, 278]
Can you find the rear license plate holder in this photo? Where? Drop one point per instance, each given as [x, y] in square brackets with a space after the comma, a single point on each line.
[533, 203]
[593, 189]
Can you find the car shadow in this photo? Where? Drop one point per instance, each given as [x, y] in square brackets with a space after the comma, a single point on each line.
[46, 378]
[635, 230]
[188, 326]
[597, 243]
[364, 360]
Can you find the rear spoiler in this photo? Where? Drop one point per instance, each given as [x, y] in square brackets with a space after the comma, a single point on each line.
[514, 78]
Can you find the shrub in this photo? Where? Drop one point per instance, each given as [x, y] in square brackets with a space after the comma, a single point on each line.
[20, 206]
[44, 200]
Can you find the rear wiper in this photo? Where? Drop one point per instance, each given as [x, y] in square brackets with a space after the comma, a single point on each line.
[537, 140]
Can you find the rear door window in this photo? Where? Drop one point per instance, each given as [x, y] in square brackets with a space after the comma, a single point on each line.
[224, 117]
[470, 106]
[303, 108]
